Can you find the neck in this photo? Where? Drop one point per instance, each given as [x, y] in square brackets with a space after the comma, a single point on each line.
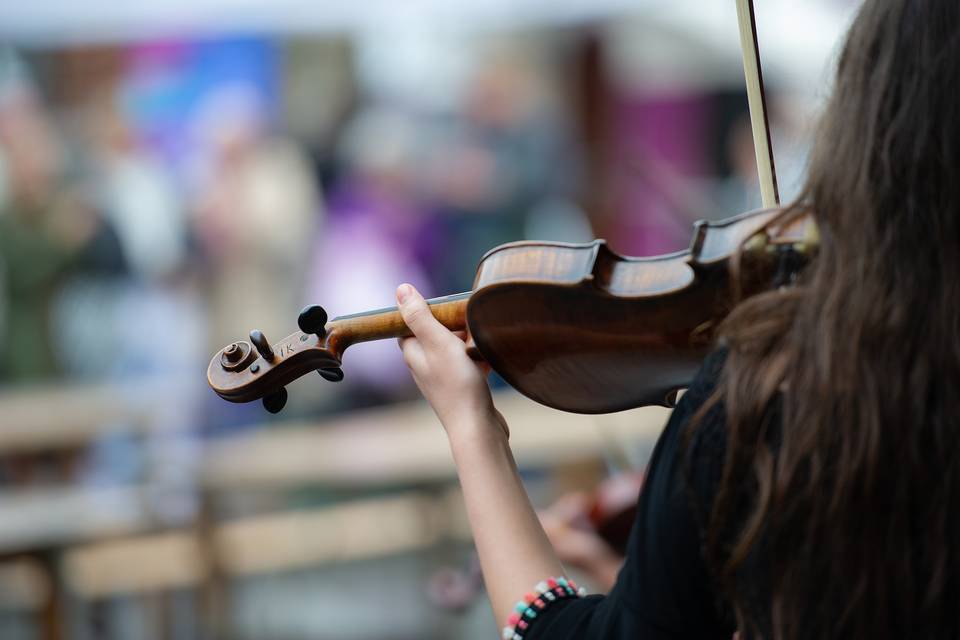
[386, 323]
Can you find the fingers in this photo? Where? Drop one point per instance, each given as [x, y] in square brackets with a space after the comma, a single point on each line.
[413, 354]
[416, 314]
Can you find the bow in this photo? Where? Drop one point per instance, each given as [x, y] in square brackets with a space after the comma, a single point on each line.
[756, 97]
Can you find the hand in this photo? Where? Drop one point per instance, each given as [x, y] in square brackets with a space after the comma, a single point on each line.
[453, 384]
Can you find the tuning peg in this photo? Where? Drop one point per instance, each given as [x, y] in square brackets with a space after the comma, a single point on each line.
[262, 344]
[313, 319]
[331, 374]
[275, 401]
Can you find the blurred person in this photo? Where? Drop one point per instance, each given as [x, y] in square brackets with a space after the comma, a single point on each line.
[147, 324]
[255, 208]
[138, 200]
[47, 229]
[3, 275]
[804, 485]
[498, 161]
[377, 226]
[133, 191]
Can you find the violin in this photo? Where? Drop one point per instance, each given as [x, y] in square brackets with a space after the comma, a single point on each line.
[575, 327]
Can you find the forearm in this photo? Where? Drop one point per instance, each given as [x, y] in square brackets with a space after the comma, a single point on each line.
[514, 551]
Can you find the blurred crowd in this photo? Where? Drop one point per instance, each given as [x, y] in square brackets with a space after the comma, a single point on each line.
[159, 201]
[156, 202]
[151, 212]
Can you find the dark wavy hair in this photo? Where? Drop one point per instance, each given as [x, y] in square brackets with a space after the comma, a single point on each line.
[842, 518]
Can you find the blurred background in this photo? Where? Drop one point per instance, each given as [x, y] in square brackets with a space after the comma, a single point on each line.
[175, 174]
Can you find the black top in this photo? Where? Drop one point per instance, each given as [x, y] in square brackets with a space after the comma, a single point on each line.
[664, 590]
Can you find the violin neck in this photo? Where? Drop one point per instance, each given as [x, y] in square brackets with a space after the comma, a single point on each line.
[382, 324]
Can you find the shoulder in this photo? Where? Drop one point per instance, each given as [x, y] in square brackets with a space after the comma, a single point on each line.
[687, 463]
[666, 578]
[697, 426]
[706, 381]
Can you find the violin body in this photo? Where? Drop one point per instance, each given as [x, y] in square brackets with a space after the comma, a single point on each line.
[582, 329]
[575, 327]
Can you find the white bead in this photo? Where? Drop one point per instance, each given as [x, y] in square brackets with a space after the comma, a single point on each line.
[507, 633]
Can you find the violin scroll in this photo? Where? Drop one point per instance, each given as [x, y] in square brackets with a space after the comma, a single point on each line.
[237, 374]
[241, 372]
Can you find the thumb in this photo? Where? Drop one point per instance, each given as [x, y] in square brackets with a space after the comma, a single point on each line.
[417, 316]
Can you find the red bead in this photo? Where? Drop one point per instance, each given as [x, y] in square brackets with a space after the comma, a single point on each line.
[538, 603]
[551, 583]
[529, 598]
[522, 625]
[513, 619]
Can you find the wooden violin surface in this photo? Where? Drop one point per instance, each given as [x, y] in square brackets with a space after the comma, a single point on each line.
[575, 327]
[582, 329]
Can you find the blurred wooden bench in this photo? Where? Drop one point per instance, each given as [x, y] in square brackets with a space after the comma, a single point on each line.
[37, 523]
[260, 544]
[57, 416]
[104, 543]
[44, 518]
[150, 567]
[405, 445]
[44, 432]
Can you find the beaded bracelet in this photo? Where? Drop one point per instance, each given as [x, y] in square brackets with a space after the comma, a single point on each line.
[544, 594]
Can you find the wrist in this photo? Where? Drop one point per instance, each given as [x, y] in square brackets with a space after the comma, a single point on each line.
[478, 433]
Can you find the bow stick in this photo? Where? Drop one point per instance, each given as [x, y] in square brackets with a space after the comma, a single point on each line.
[758, 104]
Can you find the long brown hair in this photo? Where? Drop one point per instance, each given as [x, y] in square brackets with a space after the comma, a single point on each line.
[842, 518]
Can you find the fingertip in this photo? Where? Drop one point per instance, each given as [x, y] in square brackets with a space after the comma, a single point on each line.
[404, 291]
